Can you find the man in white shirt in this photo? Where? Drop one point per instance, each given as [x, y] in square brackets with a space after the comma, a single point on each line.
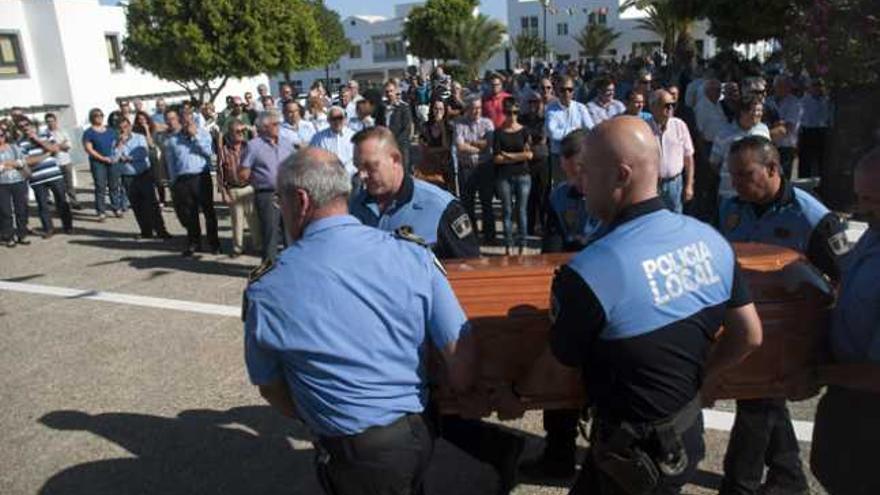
[711, 121]
[814, 128]
[62, 139]
[604, 106]
[788, 111]
[299, 130]
[354, 97]
[337, 139]
[563, 116]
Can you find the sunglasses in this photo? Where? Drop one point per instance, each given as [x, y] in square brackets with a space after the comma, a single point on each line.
[238, 131]
[336, 119]
[568, 90]
[547, 88]
[669, 106]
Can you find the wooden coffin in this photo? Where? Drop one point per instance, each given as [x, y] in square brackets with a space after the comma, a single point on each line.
[507, 300]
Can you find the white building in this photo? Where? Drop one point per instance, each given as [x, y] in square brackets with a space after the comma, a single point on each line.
[378, 53]
[65, 56]
[564, 19]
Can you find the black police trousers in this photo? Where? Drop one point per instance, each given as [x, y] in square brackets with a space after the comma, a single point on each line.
[561, 428]
[762, 434]
[846, 437]
[591, 481]
[141, 191]
[385, 460]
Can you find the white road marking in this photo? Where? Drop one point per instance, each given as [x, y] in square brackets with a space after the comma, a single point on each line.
[130, 299]
[713, 419]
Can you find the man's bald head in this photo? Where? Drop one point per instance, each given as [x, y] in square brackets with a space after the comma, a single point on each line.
[620, 166]
[312, 184]
[867, 187]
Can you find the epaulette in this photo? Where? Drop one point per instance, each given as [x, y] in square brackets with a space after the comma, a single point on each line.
[264, 268]
[406, 233]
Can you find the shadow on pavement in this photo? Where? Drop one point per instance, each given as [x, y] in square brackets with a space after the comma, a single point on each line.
[241, 450]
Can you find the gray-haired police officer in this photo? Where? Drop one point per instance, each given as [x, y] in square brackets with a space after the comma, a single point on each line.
[317, 319]
[846, 433]
[769, 209]
[392, 199]
[638, 310]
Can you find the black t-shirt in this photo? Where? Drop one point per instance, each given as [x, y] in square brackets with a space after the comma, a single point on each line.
[511, 142]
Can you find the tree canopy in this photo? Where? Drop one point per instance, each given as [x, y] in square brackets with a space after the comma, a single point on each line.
[747, 21]
[474, 40]
[428, 23]
[200, 44]
[527, 46]
[595, 39]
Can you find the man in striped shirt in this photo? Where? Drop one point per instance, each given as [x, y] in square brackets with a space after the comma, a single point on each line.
[46, 176]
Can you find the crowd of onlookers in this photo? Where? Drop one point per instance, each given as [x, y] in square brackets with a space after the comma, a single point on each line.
[496, 137]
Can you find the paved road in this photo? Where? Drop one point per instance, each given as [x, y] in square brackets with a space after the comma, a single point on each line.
[104, 395]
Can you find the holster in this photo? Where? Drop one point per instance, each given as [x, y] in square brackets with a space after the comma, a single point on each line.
[636, 456]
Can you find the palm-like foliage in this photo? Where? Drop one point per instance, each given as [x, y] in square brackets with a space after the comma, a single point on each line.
[595, 39]
[527, 46]
[473, 41]
[672, 20]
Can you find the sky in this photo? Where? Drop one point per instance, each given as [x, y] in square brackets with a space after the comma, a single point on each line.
[492, 8]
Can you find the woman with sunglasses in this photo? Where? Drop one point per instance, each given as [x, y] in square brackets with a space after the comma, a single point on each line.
[13, 192]
[512, 178]
[98, 140]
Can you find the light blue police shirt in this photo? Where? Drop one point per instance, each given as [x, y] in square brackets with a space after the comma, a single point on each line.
[136, 149]
[185, 155]
[788, 222]
[855, 323]
[419, 206]
[576, 223]
[655, 270]
[344, 317]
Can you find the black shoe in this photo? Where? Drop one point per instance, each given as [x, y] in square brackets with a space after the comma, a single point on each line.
[163, 234]
[24, 241]
[47, 234]
[507, 464]
[67, 230]
[76, 206]
[216, 250]
[545, 468]
[188, 252]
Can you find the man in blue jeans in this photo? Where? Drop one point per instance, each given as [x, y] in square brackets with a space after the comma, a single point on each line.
[476, 174]
[46, 176]
[676, 152]
[97, 141]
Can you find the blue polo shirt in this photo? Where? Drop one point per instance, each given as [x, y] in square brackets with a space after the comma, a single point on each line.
[102, 142]
[188, 155]
[263, 158]
[855, 323]
[344, 318]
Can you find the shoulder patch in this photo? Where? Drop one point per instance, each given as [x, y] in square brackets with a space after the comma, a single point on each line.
[838, 244]
[264, 268]
[406, 233]
[732, 221]
[462, 226]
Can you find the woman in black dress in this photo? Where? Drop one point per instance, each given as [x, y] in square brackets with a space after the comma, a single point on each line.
[436, 142]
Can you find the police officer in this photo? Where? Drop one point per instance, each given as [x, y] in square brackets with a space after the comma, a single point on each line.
[392, 199]
[770, 210]
[637, 310]
[569, 228]
[569, 225]
[846, 432]
[315, 322]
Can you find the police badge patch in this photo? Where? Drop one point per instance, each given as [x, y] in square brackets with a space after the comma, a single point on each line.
[732, 221]
[462, 226]
[838, 244]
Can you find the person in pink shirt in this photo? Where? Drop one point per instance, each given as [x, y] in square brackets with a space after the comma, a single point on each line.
[676, 149]
[493, 103]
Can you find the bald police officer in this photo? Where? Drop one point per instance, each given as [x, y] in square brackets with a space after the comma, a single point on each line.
[638, 310]
[392, 199]
[846, 433]
[316, 320]
[769, 209]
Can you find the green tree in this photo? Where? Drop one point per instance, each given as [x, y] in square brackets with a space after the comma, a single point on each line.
[747, 21]
[332, 32]
[474, 40]
[200, 44]
[673, 21]
[595, 39]
[528, 46]
[428, 23]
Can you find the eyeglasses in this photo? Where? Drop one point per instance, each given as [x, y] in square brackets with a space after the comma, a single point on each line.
[336, 118]
[568, 90]
[669, 106]
[547, 88]
[238, 131]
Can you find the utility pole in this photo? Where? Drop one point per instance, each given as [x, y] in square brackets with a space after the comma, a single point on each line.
[544, 5]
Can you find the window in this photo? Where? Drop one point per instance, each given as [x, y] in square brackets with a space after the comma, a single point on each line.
[529, 25]
[603, 18]
[11, 61]
[562, 29]
[387, 49]
[355, 51]
[114, 56]
[591, 19]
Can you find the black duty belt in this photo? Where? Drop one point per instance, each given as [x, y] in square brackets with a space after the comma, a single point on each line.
[669, 179]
